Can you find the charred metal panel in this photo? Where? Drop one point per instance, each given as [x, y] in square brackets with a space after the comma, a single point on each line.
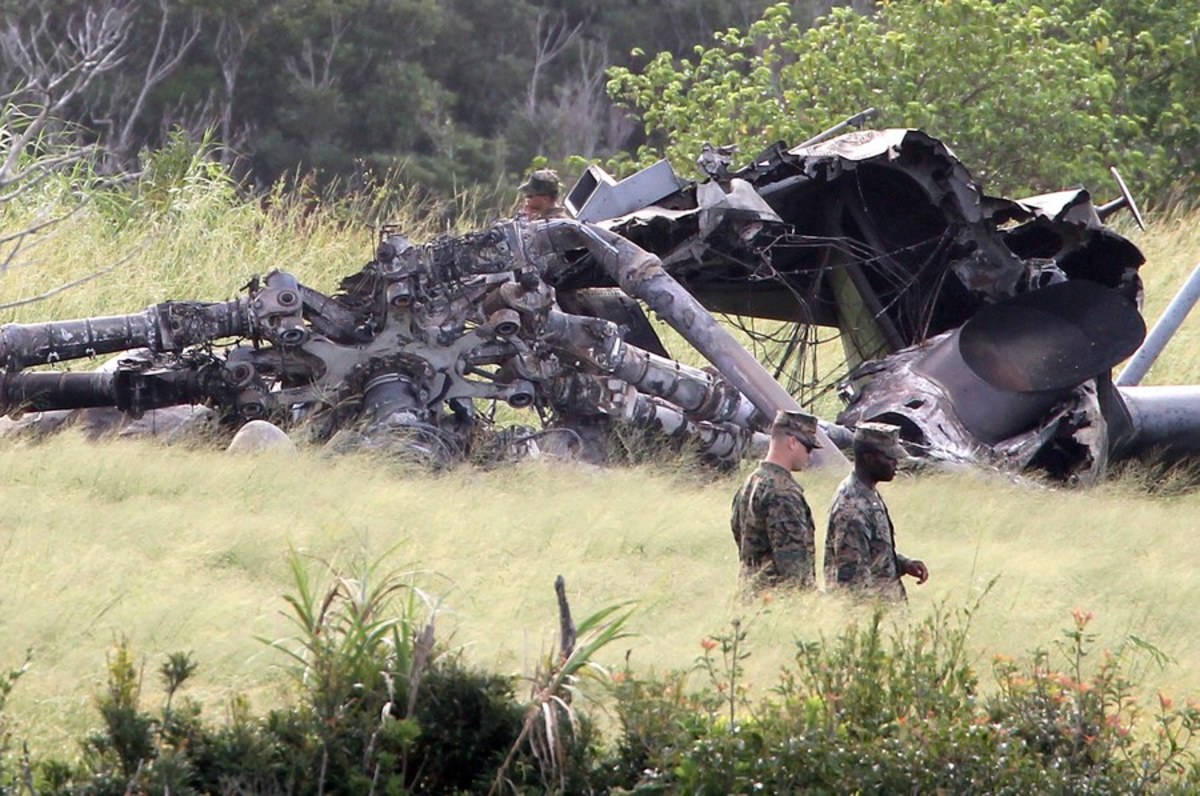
[597, 196]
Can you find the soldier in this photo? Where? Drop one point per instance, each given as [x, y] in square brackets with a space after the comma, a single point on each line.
[541, 196]
[860, 548]
[772, 524]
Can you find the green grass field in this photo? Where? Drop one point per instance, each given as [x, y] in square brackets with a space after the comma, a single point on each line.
[186, 551]
[180, 549]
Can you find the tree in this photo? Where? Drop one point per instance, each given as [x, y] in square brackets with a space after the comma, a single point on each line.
[1028, 106]
[87, 65]
[1152, 52]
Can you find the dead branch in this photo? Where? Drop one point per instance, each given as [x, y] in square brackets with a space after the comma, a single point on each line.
[166, 57]
[551, 35]
[67, 286]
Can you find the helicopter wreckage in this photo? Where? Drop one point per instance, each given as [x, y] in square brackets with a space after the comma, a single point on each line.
[986, 328]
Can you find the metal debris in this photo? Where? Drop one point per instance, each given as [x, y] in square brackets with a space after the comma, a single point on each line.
[985, 327]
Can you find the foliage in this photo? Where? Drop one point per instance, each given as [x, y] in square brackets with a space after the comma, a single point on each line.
[449, 94]
[1151, 51]
[381, 707]
[8, 681]
[868, 713]
[557, 736]
[1022, 91]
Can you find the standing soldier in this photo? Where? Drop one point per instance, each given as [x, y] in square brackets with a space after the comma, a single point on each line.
[860, 548]
[541, 196]
[772, 524]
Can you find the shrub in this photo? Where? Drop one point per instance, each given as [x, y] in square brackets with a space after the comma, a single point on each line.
[872, 712]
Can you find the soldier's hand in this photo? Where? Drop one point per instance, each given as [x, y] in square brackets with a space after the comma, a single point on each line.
[917, 569]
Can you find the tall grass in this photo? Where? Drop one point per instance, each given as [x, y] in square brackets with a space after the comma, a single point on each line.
[189, 550]
[1172, 249]
[184, 232]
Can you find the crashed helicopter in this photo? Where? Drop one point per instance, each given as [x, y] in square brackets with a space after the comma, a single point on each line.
[986, 328]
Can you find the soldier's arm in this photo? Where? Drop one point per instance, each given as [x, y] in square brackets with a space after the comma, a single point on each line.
[735, 519]
[915, 568]
[790, 531]
[852, 554]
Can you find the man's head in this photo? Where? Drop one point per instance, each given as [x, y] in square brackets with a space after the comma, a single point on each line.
[793, 438]
[877, 450]
[540, 190]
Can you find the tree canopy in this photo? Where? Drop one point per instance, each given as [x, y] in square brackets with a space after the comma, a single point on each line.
[455, 93]
[1032, 95]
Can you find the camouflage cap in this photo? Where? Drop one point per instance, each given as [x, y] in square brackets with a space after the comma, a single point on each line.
[800, 425]
[882, 437]
[543, 182]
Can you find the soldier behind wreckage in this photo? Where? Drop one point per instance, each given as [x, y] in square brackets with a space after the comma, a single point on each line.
[860, 548]
[772, 523]
[540, 196]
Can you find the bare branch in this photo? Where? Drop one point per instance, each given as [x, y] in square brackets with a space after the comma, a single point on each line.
[232, 40]
[551, 36]
[314, 68]
[27, 238]
[53, 71]
[164, 60]
[61, 67]
[68, 285]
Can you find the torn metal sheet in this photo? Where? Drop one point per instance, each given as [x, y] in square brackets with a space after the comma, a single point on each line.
[406, 353]
[985, 327]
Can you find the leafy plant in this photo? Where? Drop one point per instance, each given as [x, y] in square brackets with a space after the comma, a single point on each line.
[1025, 92]
[551, 724]
[360, 636]
[879, 712]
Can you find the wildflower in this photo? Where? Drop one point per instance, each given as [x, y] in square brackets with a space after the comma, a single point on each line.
[1165, 701]
[1081, 618]
[708, 644]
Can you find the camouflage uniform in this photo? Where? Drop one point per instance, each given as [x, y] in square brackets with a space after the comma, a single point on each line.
[860, 548]
[773, 528]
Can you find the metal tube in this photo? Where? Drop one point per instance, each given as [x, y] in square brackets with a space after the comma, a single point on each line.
[857, 120]
[719, 440]
[170, 326]
[42, 392]
[22, 345]
[1172, 318]
[1163, 416]
[641, 275]
[697, 393]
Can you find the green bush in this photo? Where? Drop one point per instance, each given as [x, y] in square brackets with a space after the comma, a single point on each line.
[1033, 96]
[873, 711]
[876, 713]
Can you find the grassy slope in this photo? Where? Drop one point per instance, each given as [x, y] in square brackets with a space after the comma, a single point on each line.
[185, 550]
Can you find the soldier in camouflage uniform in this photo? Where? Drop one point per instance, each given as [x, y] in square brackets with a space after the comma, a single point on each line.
[772, 524]
[540, 192]
[860, 548]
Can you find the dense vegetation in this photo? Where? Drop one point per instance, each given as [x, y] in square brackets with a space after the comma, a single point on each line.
[854, 703]
[1033, 94]
[836, 698]
[383, 706]
[457, 92]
